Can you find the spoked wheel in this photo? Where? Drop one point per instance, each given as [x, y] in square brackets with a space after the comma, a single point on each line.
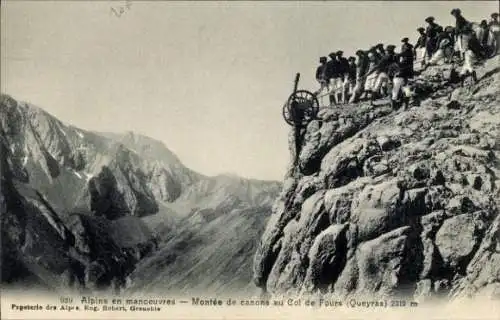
[300, 108]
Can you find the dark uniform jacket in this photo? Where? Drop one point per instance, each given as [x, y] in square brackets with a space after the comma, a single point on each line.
[443, 36]
[322, 72]
[352, 72]
[432, 32]
[395, 70]
[386, 61]
[406, 60]
[333, 69]
[485, 36]
[422, 40]
[362, 65]
[407, 52]
[462, 26]
[343, 66]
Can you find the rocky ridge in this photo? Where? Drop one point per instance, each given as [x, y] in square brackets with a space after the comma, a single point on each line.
[387, 203]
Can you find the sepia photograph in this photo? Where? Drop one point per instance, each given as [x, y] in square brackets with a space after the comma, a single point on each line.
[250, 159]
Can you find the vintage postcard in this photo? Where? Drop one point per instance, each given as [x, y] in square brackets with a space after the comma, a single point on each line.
[250, 159]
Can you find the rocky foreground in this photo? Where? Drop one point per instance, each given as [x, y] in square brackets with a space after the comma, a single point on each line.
[385, 202]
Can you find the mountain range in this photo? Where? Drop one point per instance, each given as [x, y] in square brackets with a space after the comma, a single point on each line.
[85, 210]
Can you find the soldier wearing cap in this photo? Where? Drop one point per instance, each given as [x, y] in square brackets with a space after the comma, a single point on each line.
[444, 52]
[486, 39]
[322, 75]
[400, 90]
[361, 68]
[350, 82]
[380, 49]
[484, 33]
[383, 68]
[494, 26]
[467, 43]
[344, 72]
[463, 31]
[335, 78]
[406, 57]
[372, 72]
[377, 75]
[431, 32]
[494, 20]
[420, 45]
[462, 25]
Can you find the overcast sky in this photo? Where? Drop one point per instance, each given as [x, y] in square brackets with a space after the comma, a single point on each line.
[209, 79]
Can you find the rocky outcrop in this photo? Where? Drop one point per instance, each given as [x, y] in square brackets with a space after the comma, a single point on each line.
[392, 202]
[39, 248]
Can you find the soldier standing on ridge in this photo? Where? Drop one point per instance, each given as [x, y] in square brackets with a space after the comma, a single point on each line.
[449, 51]
[485, 30]
[336, 79]
[494, 20]
[383, 66]
[407, 57]
[431, 33]
[372, 73]
[380, 49]
[494, 26]
[445, 48]
[344, 72]
[421, 44]
[322, 76]
[361, 68]
[463, 31]
[351, 79]
[486, 39]
[395, 73]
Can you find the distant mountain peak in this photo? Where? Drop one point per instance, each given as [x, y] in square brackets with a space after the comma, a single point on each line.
[105, 188]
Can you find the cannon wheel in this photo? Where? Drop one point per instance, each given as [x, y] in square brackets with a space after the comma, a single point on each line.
[302, 97]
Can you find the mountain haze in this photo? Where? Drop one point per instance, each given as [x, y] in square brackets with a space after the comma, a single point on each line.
[104, 202]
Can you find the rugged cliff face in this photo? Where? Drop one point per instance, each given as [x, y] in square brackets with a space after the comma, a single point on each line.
[81, 209]
[384, 202]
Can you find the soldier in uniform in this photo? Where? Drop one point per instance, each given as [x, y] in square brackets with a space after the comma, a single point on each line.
[380, 49]
[322, 75]
[431, 33]
[445, 48]
[383, 66]
[361, 68]
[463, 31]
[485, 38]
[421, 43]
[407, 57]
[350, 84]
[372, 72]
[335, 78]
[344, 72]
[494, 26]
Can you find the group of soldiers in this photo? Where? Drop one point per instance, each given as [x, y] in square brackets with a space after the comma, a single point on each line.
[368, 75]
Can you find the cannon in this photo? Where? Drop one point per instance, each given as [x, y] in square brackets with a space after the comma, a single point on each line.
[301, 107]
